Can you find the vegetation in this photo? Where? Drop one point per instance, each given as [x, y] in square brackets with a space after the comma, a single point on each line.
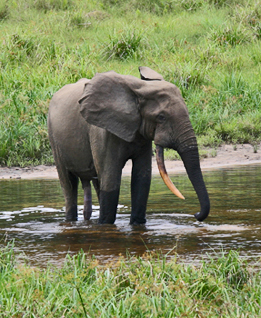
[209, 49]
[148, 286]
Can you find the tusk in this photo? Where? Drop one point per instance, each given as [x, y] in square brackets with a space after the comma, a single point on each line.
[163, 172]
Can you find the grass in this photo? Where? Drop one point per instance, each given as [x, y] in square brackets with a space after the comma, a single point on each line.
[124, 45]
[149, 286]
[209, 49]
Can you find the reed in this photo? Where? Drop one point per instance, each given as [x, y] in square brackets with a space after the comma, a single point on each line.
[153, 285]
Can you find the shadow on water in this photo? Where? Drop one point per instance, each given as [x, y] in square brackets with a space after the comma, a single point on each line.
[31, 213]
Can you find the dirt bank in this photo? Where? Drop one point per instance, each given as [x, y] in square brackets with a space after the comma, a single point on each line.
[226, 156]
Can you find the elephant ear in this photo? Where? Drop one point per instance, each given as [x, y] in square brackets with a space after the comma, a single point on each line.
[109, 102]
[148, 74]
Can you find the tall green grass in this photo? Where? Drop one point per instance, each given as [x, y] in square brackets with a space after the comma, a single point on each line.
[209, 49]
[224, 285]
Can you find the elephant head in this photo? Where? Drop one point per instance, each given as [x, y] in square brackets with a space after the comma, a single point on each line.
[127, 106]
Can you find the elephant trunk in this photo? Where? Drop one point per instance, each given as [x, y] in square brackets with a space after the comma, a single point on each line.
[190, 159]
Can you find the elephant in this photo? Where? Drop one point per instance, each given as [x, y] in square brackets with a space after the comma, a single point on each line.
[95, 126]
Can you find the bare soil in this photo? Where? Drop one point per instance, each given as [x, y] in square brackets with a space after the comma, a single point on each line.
[225, 156]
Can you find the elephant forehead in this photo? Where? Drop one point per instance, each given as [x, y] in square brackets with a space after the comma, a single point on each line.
[173, 106]
[177, 108]
[161, 91]
[169, 100]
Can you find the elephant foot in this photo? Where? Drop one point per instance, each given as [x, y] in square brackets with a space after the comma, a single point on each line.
[138, 221]
[72, 213]
[106, 221]
[87, 215]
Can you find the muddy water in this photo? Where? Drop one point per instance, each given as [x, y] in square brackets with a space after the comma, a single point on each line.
[32, 213]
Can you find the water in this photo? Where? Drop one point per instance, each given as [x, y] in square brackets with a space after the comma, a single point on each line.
[32, 213]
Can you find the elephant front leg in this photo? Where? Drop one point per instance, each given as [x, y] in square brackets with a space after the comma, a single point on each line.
[108, 206]
[109, 190]
[140, 187]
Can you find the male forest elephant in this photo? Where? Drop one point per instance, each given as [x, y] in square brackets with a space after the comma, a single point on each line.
[96, 125]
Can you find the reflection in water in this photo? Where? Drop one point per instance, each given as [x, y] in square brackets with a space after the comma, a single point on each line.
[31, 212]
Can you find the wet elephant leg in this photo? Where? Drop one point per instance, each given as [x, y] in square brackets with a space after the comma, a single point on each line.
[70, 189]
[69, 184]
[140, 186]
[109, 195]
[87, 210]
[108, 206]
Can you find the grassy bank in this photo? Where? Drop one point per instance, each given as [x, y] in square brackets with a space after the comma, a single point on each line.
[148, 286]
[209, 49]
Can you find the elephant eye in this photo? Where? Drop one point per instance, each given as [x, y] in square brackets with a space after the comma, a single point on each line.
[161, 118]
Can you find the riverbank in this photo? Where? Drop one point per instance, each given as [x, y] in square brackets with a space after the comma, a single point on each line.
[225, 156]
[209, 49]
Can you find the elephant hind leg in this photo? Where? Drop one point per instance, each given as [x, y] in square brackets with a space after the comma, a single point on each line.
[96, 185]
[69, 183]
[87, 210]
[70, 190]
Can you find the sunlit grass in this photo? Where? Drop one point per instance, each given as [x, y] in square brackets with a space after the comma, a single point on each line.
[209, 49]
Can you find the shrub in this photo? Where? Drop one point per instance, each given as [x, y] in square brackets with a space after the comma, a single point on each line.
[124, 45]
[154, 6]
[223, 3]
[187, 76]
[22, 43]
[249, 16]
[53, 4]
[230, 35]
[4, 11]
[18, 48]
[231, 268]
[79, 21]
[190, 5]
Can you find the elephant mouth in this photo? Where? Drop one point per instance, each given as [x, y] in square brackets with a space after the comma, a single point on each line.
[163, 172]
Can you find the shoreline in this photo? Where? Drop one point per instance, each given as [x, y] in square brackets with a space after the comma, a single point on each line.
[226, 156]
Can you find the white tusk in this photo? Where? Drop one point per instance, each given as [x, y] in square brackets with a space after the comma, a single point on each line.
[164, 174]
